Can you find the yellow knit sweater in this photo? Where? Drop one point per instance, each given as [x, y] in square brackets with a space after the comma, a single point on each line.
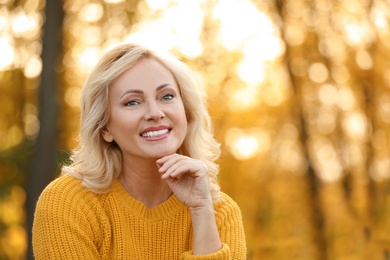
[74, 223]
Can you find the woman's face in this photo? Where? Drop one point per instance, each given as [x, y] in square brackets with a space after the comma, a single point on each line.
[147, 117]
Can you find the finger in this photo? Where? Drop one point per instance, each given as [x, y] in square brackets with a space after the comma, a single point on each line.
[179, 169]
[185, 167]
[162, 160]
[167, 162]
[174, 170]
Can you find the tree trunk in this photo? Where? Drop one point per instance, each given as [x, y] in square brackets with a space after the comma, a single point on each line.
[43, 158]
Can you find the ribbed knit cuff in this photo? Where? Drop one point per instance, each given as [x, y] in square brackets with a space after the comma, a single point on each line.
[222, 254]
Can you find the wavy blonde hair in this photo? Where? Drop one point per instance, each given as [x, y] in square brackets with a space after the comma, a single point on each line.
[96, 162]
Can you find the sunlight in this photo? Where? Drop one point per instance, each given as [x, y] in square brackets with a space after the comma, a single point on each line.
[31, 126]
[190, 47]
[244, 98]
[26, 26]
[72, 96]
[177, 27]
[328, 94]
[364, 60]
[20, 23]
[33, 67]
[346, 100]
[245, 144]
[4, 18]
[234, 33]
[154, 39]
[252, 72]
[91, 12]
[294, 34]
[355, 125]
[358, 33]
[263, 48]
[256, 53]
[318, 72]
[332, 172]
[327, 163]
[186, 20]
[380, 171]
[246, 147]
[378, 15]
[7, 53]
[88, 58]
[259, 44]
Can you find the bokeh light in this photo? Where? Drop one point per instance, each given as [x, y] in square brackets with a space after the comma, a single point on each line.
[7, 53]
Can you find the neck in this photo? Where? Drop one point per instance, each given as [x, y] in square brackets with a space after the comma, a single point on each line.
[143, 182]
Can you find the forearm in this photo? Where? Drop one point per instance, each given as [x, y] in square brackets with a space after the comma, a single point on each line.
[206, 236]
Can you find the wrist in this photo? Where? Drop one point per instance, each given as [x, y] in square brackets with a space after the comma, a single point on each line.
[205, 208]
[201, 203]
[206, 236]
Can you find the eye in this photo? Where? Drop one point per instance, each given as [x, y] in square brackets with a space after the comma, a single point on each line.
[168, 97]
[131, 103]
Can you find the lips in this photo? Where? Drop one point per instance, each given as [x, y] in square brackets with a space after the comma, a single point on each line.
[155, 131]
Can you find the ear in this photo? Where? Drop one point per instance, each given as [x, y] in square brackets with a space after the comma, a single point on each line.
[107, 136]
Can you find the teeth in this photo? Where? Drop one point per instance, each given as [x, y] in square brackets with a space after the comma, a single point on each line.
[155, 133]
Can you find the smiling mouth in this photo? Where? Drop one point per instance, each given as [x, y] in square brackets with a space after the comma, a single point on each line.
[155, 133]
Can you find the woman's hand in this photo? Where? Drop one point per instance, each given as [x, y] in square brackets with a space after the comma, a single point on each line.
[188, 178]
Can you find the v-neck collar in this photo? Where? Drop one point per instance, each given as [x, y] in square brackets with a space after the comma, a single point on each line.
[135, 207]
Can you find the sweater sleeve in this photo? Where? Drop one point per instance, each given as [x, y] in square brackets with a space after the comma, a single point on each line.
[66, 225]
[222, 254]
[231, 232]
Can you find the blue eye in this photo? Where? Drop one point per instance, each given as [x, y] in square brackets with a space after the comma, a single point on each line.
[168, 97]
[131, 103]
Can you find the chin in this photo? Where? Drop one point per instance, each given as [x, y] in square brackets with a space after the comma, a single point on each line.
[167, 152]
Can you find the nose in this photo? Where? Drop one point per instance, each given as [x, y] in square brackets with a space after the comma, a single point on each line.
[153, 111]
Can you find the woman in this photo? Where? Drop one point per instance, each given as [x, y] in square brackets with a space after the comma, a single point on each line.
[143, 180]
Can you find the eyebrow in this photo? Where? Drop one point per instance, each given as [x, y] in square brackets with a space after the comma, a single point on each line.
[141, 92]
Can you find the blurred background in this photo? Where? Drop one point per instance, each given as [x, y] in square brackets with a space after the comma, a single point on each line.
[299, 93]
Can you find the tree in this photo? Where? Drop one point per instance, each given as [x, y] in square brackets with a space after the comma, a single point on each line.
[43, 160]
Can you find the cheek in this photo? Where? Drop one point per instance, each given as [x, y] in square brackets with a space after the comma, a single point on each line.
[185, 123]
[184, 116]
[122, 122]
[184, 110]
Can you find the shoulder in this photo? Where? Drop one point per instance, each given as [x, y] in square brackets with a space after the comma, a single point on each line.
[64, 185]
[67, 191]
[226, 208]
[70, 215]
[226, 202]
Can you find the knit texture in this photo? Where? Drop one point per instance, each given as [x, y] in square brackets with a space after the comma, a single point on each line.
[72, 222]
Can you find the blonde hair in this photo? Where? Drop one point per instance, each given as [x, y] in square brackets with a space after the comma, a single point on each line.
[96, 162]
